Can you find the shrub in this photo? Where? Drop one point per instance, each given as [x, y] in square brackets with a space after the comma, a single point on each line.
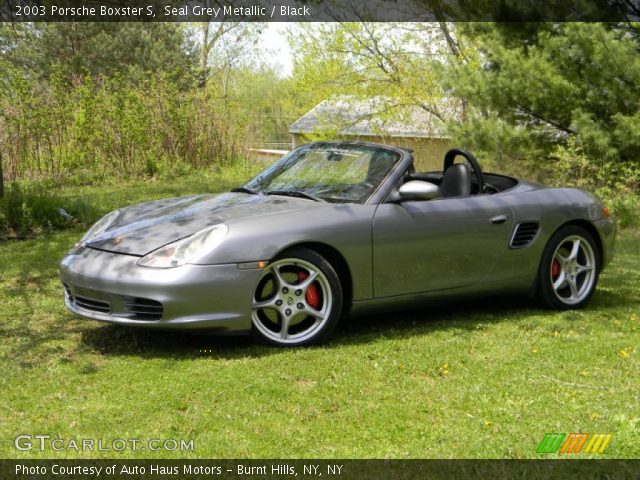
[152, 167]
[31, 210]
[13, 207]
[615, 182]
[4, 225]
[626, 207]
[110, 129]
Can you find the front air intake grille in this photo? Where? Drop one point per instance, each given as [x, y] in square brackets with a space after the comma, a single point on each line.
[92, 304]
[524, 234]
[132, 308]
[143, 308]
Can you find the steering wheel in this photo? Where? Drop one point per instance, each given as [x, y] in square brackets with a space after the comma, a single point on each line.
[451, 156]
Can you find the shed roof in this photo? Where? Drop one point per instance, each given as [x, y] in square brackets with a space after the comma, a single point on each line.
[373, 117]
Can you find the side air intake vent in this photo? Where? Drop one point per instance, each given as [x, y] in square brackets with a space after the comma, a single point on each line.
[524, 234]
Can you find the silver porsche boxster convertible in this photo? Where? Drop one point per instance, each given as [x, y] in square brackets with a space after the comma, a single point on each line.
[333, 230]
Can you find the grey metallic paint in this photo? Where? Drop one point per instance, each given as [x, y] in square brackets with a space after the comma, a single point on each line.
[397, 253]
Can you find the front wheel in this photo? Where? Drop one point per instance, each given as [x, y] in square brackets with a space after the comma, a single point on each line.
[568, 271]
[297, 301]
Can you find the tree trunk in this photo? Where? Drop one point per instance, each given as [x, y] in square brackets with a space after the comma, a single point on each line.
[203, 74]
[1, 177]
[210, 39]
[454, 46]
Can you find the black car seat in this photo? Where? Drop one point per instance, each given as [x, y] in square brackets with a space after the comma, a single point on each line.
[456, 181]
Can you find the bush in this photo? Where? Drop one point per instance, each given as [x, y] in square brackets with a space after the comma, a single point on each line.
[31, 210]
[12, 208]
[615, 182]
[625, 204]
[4, 225]
[108, 129]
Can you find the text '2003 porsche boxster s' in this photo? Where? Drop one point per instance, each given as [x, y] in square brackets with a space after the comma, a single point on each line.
[332, 230]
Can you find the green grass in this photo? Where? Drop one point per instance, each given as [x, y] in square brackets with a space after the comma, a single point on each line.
[109, 196]
[485, 379]
[30, 208]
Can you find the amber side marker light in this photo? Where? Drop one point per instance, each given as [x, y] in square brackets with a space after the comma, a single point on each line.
[253, 265]
[606, 212]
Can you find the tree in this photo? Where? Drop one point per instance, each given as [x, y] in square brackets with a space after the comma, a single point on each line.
[1, 177]
[548, 92]
[395, 62]
[222, 47]
[75, 49]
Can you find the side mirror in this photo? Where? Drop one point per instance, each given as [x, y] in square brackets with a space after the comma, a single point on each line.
[418, 190]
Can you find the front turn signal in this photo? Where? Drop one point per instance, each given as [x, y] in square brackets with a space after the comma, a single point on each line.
[606, 212]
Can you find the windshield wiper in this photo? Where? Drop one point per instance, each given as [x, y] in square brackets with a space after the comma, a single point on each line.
[243, 190]
[294, 193]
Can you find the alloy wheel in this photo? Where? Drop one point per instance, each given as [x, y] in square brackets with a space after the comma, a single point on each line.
[292, 301]
[573, 270]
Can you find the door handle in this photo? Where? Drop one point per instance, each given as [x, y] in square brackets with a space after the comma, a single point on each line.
[498, 219]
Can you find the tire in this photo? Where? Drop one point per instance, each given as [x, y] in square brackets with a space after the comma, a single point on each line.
[569, 269]
[297, 300]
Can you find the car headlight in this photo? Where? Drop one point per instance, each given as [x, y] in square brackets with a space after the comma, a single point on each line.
[186, 250]
[98, 228]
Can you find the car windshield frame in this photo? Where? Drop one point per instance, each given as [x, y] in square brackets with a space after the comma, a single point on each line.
[371, 164]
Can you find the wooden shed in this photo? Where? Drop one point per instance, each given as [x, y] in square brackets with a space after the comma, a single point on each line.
[376, 120]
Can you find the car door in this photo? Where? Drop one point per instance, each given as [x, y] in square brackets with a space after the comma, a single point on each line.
[427, 245]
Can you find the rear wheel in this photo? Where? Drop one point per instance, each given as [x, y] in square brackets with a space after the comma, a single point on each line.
[568, 272]
[297, 301]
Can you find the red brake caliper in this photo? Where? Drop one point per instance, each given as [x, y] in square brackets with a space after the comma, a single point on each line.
[312, 291]
[555, 268]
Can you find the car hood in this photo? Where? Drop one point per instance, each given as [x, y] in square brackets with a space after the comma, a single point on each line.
[143, 228]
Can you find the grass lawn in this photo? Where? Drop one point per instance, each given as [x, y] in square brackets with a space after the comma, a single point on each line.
[477, 380]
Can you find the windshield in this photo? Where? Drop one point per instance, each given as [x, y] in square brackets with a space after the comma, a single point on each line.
[334, 172]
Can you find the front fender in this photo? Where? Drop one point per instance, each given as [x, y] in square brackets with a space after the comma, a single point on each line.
[344, 227]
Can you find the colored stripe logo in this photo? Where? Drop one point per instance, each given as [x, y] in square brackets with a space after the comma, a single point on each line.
[550, 443]
[598, 443]
[574, 443]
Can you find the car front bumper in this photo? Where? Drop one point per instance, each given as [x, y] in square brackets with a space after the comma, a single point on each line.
[113, 288]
